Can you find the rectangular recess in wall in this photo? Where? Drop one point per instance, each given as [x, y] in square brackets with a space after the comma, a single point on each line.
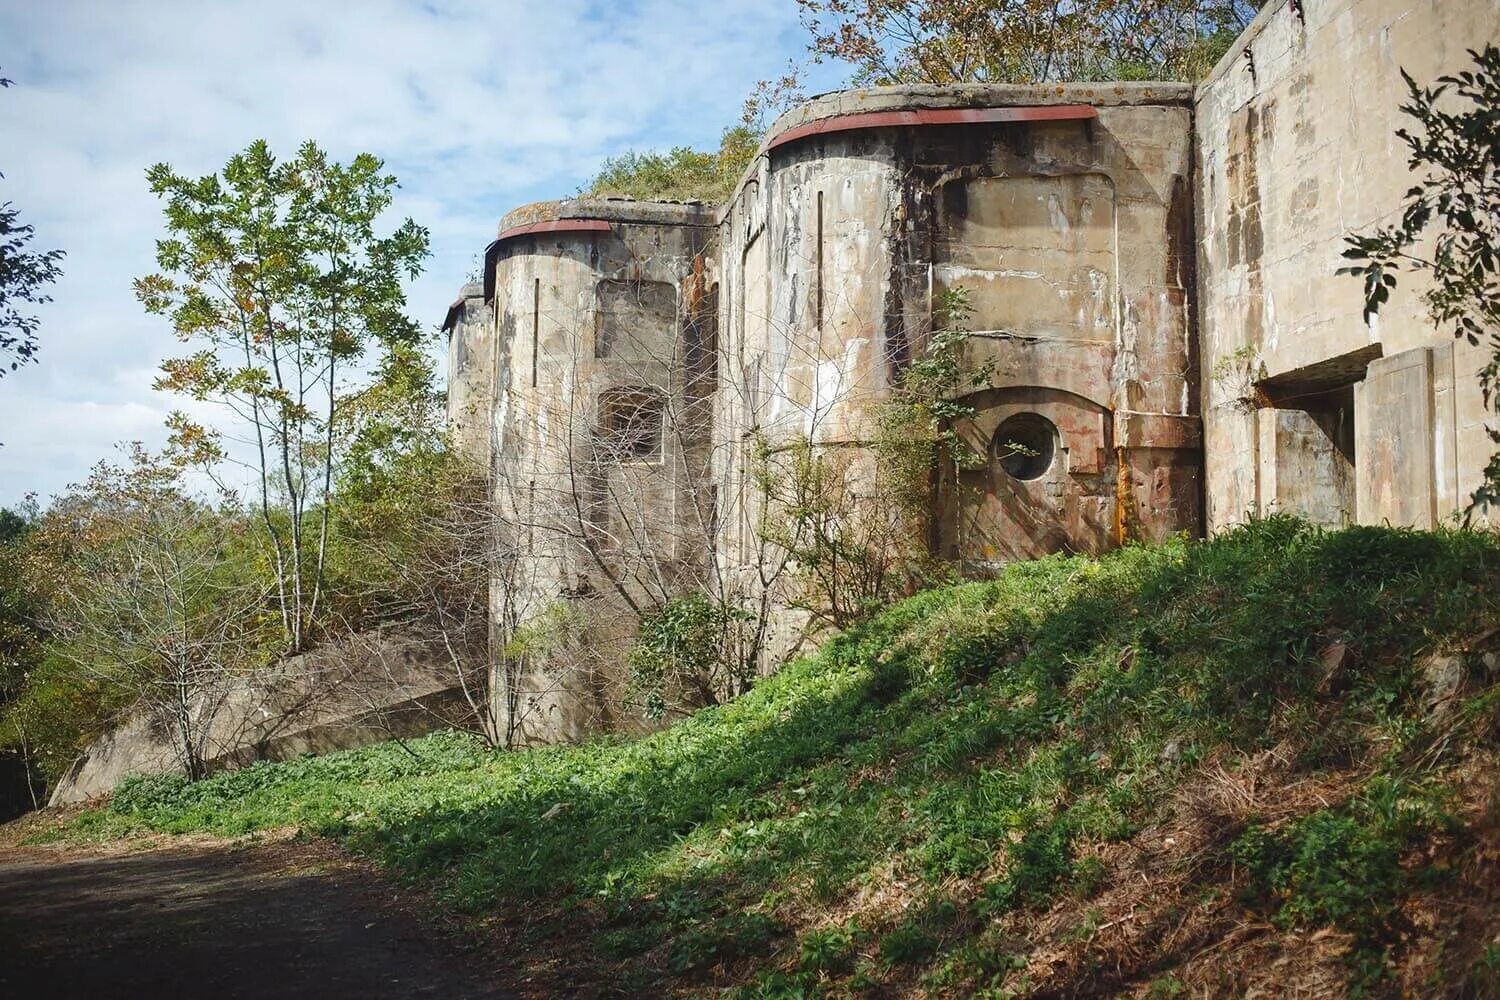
[634, 320]
[1035, 252]
[631, 423]
[818, 303]
[536, 326]
[701, 347]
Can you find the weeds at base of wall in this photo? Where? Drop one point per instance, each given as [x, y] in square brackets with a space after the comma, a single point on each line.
[677, 661]
[857, 525]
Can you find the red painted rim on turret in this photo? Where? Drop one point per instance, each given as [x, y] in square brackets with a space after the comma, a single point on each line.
[936, 116]
[534, 229]
[555, 226]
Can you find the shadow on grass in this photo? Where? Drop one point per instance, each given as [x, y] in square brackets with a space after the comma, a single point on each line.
[974, 731]
[945, 729]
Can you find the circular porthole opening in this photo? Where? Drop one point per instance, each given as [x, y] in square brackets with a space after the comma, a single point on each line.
[1025, 445]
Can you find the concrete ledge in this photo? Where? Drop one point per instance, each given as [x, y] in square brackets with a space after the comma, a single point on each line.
[1416, 357]
[925, 117]
[926, 97]
[930, 97]
[1337, 372]
[624, 210]
[545, 215]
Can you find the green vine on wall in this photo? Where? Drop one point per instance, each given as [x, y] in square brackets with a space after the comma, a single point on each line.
[918, 428]
[857, 524]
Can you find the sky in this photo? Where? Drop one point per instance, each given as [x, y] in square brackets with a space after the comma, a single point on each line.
[477, 107]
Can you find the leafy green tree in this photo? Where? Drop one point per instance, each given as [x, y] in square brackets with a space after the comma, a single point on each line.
[416, 539]
[427, 551]
[680, 174]
[158, 605]
[394, 476]
[49, 710]
[16, 521]
[21, 634]
[1023, 41]
[392, 435]
[1450, 220]
[53, 716]
[23, 276]
[276, 273]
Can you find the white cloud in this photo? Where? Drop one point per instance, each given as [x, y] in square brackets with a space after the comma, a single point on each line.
[476, 106]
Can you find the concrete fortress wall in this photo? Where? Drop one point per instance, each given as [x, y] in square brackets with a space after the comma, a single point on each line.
[1307, 408]
[1151, 268]
[1064, 213]
[600, 436]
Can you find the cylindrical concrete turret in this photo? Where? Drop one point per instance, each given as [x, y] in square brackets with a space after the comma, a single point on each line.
[1064, 216]
[470, 326]
[605, 351]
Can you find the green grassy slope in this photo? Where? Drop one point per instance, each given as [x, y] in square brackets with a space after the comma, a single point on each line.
[1161, 771]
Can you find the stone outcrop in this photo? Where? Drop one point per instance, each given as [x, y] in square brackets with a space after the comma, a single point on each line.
[369, 689]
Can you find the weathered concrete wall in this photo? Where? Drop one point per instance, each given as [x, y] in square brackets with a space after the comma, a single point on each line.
[601, 435]
[470, 326]
[1307, 408]
[1067, 227]
[1151, 271]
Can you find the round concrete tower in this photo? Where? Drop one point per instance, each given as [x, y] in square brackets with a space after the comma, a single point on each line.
[470, 329]
[1064, 216]
[604, 370]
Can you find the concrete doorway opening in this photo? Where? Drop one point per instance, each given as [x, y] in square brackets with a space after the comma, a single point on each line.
[1308, 461]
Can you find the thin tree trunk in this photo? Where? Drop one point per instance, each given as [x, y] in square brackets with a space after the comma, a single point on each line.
[265, 486]
[27, 766]
[294, 502]
[327, 456]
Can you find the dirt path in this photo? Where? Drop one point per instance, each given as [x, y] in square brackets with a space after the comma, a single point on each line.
[282, 919]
